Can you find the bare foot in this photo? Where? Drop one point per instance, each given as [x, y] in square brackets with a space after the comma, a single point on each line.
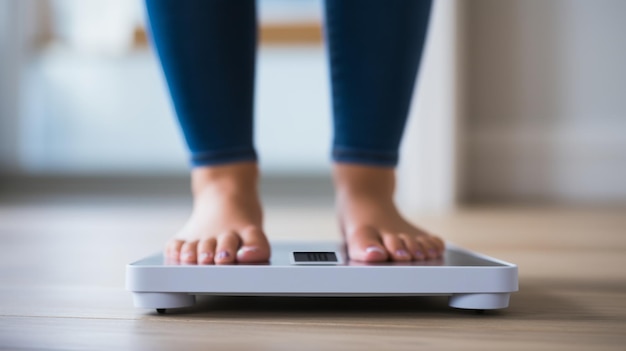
[225, 225]
[372, 225]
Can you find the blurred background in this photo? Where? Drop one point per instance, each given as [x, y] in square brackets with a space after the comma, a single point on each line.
[516, 102]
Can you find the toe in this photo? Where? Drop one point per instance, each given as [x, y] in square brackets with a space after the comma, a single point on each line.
[430, 249]
[439, 244]
[364, 244]
[433, 242]
[396, 248]
[254, 247]
[172, 249]
[227, 245]
[415, 249]
[188, 252]
[206, 251]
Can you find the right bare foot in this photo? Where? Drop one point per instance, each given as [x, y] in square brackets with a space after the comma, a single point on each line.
[226, 223]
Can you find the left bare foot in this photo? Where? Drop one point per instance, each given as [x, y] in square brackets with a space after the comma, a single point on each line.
[370, 221]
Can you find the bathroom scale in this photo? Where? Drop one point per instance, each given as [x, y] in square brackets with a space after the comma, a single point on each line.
[470, 280]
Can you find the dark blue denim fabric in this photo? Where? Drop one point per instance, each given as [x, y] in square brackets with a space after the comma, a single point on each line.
[207, 49]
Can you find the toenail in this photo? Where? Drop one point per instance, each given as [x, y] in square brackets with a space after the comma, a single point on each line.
[432, 252]
[375, 249]
[419, 254]
[222, 254]
[203, 256]
[245, 249]
[185, 255]
[402, 253]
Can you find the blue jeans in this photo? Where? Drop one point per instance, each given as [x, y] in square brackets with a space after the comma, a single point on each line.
[207, 49]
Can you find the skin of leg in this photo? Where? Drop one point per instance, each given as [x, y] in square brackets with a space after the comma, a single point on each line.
[226, 222]
[373, 227]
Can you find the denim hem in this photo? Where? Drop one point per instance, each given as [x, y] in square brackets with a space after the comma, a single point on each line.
[213, 158]
[367, 157]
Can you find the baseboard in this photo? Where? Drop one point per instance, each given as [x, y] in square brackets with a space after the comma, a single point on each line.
[547, 165]
[275, 189]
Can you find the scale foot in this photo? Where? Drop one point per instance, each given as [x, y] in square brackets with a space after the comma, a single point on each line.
[160, 310]
[162, 301]
[480, 302]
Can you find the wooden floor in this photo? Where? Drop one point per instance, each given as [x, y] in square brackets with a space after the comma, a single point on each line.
[62, 274]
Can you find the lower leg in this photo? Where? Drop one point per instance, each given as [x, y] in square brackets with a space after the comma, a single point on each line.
[375, 50]
[207, 50]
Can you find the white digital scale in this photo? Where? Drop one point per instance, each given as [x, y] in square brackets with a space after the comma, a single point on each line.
[471, 280]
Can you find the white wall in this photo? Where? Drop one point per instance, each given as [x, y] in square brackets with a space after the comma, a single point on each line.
[546, 102]
[528, 102]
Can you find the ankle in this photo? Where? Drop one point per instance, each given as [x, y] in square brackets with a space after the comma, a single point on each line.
[363, 182]
[225, 179]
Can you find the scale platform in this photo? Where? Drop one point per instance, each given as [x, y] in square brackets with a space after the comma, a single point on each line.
[471, 280]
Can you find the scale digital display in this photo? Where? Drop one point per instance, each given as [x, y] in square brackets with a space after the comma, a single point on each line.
[301, 256]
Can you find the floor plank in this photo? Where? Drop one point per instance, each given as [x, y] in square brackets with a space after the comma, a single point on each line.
[62, 276]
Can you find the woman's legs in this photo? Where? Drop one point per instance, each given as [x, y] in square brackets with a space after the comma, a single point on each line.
[207, 50]
[375, 50]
